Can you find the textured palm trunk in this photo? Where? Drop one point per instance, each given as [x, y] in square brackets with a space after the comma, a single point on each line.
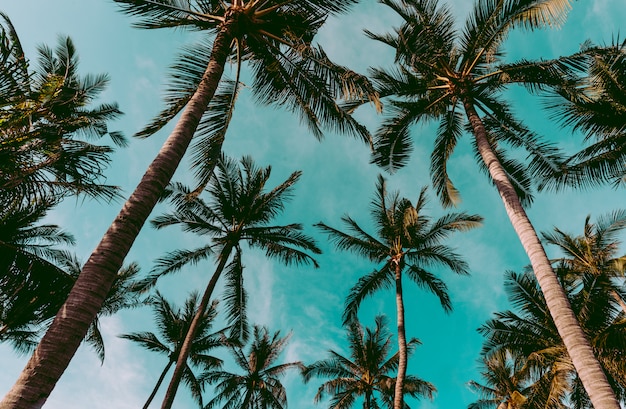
[578, 347]
[168, 400]
[398, 398]
[158, 384]
[59, 344]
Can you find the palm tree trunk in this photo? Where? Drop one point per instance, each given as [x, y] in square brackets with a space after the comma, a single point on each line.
[398, 398]
[59, 344]
[181, 361]
[578, 347]
[158, 384]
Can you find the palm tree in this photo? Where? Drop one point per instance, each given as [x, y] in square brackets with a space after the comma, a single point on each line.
[594, 254]
[173, 324]
[596, 106]
[239, 210]
[510, 383]
[445, 74]
[274, 37]
[408, 242]
[36, 277]
[33, 280]
[531, 333]
[259, 385]
[367, 372]
[44, 118]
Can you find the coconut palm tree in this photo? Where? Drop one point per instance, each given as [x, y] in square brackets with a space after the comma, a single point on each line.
[173, 324]
[44, 119]
[531, 333]
[36, 276]
[455, 76]
[238, 210]
[594, 254]
[33, 281]
[409, 243]
[512, 382]
[367, 373]
[596, 106]
[274, 37]
[258, 385]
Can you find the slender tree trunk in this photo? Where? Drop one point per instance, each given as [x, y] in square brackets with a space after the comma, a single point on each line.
[168, 400]
[398, 398]
[59, 344]
[158, 384]
[578, 347]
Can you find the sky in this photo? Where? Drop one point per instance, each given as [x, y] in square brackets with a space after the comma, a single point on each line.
[337, 180]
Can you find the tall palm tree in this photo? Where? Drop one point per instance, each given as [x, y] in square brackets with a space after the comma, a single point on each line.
[259, 385]
[173, 324]
[274, 37]
[239, 209]
[446, 74]
[367, 373]
[44, 118]
[594, 254]
[409, 243]
[531, 333]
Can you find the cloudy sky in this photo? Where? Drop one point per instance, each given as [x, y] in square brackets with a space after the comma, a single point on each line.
[337, 179]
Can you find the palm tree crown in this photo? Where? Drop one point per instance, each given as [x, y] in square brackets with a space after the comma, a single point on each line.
[45, 113]
[173, 324]
[258, 386]
[367, 373]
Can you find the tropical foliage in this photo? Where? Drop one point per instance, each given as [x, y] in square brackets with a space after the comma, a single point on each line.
[544, 372]
[258, 384]
[367, 373]
[45, 116]
[409, 243]
[275, 39]
[238, 210]
[457, 76]
[173, 324]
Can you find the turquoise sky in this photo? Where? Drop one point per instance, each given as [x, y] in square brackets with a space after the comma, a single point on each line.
[337, 180]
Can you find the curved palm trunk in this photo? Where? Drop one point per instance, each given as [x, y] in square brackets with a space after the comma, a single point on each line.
[398, 398]
[158, 384]
[59, 344]
[578, 347]
[168, 400]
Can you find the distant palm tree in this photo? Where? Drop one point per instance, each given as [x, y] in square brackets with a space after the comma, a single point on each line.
[173, 324]
[238, 210]
[509, 384]
[258, 386]
[44, 118]
[367, 373]
[457, 77]
[531, 333]
[274, 37]
[409, 243]
[594, 255]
